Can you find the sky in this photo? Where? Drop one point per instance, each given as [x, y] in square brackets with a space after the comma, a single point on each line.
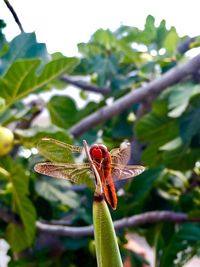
[62, 24]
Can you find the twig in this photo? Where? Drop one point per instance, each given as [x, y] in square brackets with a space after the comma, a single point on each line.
[85, 86]
[136, 220]
[151, 89]
[9, 6]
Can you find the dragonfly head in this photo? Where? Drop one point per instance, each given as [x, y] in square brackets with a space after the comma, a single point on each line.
[98, 152]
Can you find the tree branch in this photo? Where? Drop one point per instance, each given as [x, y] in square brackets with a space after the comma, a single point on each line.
[9, 6]
[136, 220]
[77, 232]
[185, 45]
[151, 89]
[85, 86]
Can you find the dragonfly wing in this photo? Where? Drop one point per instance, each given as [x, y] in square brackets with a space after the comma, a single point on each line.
[121, 172]
[76, 173]
[57, 151]
[122, 154]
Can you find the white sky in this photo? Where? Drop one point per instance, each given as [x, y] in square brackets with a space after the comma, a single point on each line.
[62, 24]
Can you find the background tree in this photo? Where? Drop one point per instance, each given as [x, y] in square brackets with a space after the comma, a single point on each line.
[149, 94]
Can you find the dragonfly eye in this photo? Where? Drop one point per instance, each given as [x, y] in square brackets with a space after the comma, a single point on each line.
[103, 149]
[96, 152]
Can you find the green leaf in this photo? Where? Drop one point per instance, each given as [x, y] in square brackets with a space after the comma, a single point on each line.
[181, 158]
[107, 250]
[150, 29]
[119, 128]
[63, 111]
[24, 206]
[21, 78]
[105, 67]
[30, 137]
[21, 203]
[142, 185]
[54, 190]
[179, 97]
[18, 111]
[152, 127]
[55, 150]
[16, 237]
[171, 41]
[176, 112]
[175, 143]
[157, 131]
[161, 33]
[24, 46]
[182, 247]
[105, 37]
[2, 103]
[190, 125]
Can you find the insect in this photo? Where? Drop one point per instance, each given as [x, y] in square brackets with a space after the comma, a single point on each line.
[111, 166]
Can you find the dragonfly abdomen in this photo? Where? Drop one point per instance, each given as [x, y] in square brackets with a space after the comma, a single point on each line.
[110, 194]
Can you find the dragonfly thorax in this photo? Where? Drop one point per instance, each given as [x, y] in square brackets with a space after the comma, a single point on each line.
[98, 152]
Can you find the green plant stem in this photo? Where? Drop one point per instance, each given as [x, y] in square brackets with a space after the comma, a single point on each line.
[107, 250]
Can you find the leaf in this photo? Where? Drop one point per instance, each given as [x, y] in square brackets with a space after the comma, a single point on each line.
[176, 112]
[16, 237]
[150, 29]
[55, 151]
[182, 246]
[54, 191]
[17, 112]
[142, 185]
[2, 103]
[30, 137]
[119, 128]
[190, 125]
[157, 131]
[21, 78]
[24, 207]
[105, 37]
[179, 97]
[161, 33]
[4, 173]
[175, 143]
[152, 127]
[105, 67]
[21, 204]
[24, 46]
[181, 158]
[63, 111]
[171, 41]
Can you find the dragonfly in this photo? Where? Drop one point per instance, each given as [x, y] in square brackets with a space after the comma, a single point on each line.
[110, 165]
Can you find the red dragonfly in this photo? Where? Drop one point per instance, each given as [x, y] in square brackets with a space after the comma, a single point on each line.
[111, 166]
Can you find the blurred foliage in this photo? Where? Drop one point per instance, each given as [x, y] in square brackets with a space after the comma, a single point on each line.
[169, 132]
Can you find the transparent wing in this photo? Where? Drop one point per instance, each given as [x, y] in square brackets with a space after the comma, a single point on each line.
[121, 172]
[76, 173]
[57, 151]
[122, 154]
